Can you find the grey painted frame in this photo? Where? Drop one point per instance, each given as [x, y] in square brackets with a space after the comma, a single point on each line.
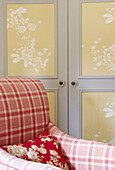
[55, 33]
[80, 56]
[56, 99]
[80, 102]
[1, 40]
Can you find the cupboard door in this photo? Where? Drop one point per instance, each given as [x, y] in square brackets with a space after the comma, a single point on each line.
[34, 44]
[92, 51]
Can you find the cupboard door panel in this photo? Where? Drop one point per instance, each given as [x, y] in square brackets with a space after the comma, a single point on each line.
[98, 40]
[52, 103]
[30, 39]
[98, 116]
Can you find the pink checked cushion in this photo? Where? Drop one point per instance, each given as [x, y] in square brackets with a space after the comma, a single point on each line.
[42, 149]
[24, 109]
[82, 154]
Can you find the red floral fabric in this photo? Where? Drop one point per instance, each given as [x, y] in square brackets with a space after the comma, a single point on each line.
[44, 149]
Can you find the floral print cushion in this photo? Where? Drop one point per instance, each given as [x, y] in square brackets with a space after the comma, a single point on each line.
[44, 149]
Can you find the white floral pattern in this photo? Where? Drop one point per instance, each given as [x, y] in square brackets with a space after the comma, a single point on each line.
[54, 153]
[110, 15]
[112, 141]
[96, 139]
[103, 56]
[46, 139]
[32, 154]
[26, 50]
[41, 149]
[16, 150]
[110, 109]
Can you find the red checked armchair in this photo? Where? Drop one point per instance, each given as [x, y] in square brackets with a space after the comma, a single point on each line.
[24, 114]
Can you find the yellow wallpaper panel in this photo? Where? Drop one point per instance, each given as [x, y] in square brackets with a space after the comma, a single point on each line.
[30, 39]
[98, 38]
[98, 116]
[51, 98]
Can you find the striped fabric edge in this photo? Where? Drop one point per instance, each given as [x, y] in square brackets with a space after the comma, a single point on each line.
[6, 167]
[82, 154]
[10, 162]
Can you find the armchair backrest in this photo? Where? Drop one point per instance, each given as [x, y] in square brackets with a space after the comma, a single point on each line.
[24, 109]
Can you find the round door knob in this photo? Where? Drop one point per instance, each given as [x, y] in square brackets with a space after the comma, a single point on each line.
[61, 83]
[74, 83]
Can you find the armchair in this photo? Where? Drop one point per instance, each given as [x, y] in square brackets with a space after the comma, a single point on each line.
[24, 114]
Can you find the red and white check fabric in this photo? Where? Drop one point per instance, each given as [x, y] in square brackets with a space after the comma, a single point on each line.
[85, 155]
[24, 109]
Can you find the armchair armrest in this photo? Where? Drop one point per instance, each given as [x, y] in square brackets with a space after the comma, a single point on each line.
[84, 155]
